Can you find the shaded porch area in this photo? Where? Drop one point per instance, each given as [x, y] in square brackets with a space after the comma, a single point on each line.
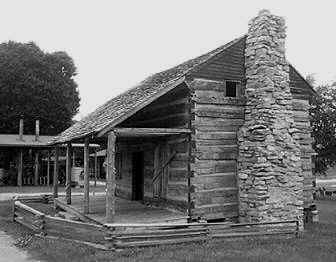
[126, 211]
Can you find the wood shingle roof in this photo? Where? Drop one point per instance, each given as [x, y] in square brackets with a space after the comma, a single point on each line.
[126, 104]
[112, 112]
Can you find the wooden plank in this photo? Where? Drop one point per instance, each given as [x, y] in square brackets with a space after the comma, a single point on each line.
[157, 231]
[150, 131]
[245, 234]
[216, 135]
[90, 244]
[18, 204]
[74, 211]
[110, 177]
[114, 226]
[56, 169]
[153, 238]
[209, 126]
[216, 98]
[215, 196]
[214, 166]
[220, 122]
[219, 111]
[217, 154]
[78, 231]
[68, 174]
[86, 176]
[160, 242]
[213, 211]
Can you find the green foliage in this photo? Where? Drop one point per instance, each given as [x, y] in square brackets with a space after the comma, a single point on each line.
[36, 85]
[323, 117]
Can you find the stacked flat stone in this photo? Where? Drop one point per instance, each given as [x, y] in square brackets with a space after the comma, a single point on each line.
[269, 165]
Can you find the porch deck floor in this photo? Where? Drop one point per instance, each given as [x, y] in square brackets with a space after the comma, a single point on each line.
[127, 211]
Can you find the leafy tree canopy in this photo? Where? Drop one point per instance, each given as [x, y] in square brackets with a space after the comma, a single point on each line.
[36, 85]
[323, 119]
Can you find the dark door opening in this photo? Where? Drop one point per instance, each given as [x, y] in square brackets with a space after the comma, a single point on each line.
[137, 176]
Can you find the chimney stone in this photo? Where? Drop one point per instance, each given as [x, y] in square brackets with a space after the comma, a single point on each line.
[269, 164]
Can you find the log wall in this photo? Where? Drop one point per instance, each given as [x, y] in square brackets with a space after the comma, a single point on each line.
[215, 122]
[175, 189]
[301, 118]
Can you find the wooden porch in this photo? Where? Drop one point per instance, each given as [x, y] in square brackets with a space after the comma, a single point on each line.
[126, 211]
[108, 208]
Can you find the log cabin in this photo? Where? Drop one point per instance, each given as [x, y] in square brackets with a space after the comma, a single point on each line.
[224, 136]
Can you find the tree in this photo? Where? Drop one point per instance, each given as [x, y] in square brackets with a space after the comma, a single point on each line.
[36, 85]
[323, 120]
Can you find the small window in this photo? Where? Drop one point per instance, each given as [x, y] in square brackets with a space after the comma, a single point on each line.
[231, 89]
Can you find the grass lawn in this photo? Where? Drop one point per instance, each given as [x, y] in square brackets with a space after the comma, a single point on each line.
[317, 244]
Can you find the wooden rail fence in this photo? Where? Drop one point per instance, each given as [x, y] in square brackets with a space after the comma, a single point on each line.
[118, 236]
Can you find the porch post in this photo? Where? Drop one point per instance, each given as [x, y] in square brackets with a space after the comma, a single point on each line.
[36, 173]
[48, 168]
[110, 177]
[95, 172]
[55, 182]
[73, 158]
[86, 176]
[68, 174]
[20, 168]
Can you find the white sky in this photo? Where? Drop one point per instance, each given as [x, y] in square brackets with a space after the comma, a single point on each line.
[116, 44]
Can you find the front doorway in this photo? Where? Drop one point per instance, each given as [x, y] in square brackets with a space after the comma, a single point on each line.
[137, 176]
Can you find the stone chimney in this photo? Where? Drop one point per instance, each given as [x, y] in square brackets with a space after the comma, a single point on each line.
[269, 164]
[21, 129]
[37, 130]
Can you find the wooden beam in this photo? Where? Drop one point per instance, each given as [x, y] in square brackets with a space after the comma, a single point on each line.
[36, 171]
[48, 168]
[150, 131]
[56, 168]
[68, 174]
[110, 178]
[169, 86]
[20, 169]
[86, 176]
